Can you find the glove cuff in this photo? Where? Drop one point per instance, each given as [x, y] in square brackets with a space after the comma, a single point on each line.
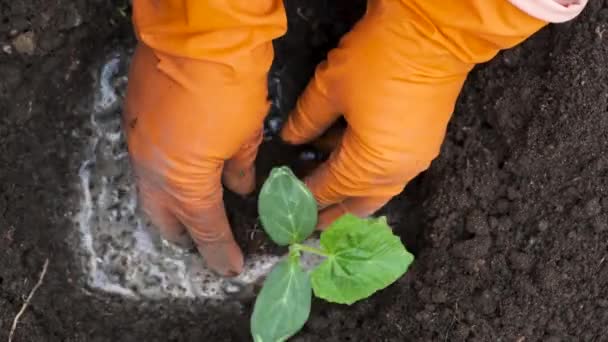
[214, 31]
[552, 11]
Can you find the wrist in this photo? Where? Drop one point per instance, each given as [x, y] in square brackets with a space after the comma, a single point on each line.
[215, 31]
[481, 29]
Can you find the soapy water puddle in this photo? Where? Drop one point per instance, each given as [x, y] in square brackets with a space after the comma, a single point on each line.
[120, 254]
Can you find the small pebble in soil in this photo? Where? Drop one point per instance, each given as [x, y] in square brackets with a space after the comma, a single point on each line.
[599, 224]
[462, 332]
[425, 294]
[470, 316]
[318, 323]
[593, 207]
[577, 211]
[493, 222]
[475, 266]
[502, 206]
[25, 43]
[505, 223]
[485, 302]
[308, 156]
[423, 316]
[520, 261]
[51, 40]
[274, 125]
[11, 75]
[73, 17]
[511, 57]
[543, 225]
[513, 193]
[477, 223]
[231, 288]
[439, 296]
[548, 278]
[473, 248]
[605, 203]
[7, 49]
[525, 285]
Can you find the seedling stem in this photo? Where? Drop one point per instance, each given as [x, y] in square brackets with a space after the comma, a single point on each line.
[300, 247]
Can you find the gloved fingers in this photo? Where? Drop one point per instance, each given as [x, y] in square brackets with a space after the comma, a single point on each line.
[358, 206]
[331, 139]
[356, 169]
[154, 204]
[239, 171]
[200, 208]
[189, 207]
[313, 114]
[223, 257]
[211, 232]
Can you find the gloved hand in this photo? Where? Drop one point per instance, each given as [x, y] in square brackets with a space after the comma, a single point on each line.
[395, 78]
[196, 99]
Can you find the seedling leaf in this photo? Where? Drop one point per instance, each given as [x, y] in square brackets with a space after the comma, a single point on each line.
[283, 305]
[287, 209]
[364, 257]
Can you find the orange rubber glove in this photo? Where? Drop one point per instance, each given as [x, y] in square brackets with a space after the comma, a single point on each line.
[395, 78]
[195, 105]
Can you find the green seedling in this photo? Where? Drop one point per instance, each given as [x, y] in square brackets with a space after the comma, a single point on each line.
[361, 256]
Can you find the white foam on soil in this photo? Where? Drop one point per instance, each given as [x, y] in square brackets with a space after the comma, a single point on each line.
[119, 253]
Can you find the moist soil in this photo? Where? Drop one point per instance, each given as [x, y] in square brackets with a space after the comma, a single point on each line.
[509, 225]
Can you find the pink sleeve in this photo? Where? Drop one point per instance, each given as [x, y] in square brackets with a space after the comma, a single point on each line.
[553, 11]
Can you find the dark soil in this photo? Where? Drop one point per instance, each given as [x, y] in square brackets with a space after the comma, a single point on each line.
[509, 225]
